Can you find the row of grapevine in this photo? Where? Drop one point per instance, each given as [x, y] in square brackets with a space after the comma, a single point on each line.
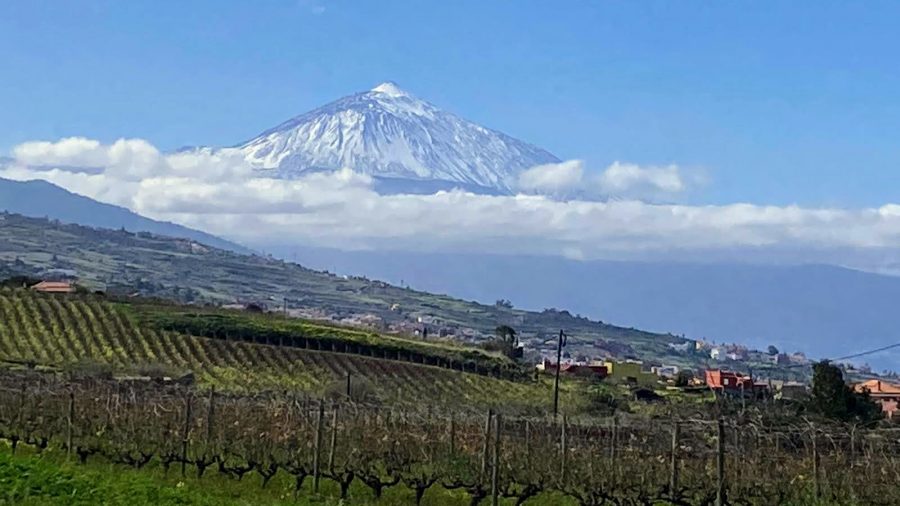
[68, 331]
[591, 461]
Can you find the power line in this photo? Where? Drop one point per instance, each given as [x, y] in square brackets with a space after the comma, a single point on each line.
[838, 359]
[864, 353]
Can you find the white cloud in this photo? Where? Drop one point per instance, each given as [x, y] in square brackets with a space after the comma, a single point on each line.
[552, 178]
[125, 159]
[70, 151]
[217, 192]
[569, 179]
[623, 178]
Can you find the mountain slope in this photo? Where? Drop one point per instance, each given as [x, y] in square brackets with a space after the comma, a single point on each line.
[391, 135]
[42, 199]
[175, 268]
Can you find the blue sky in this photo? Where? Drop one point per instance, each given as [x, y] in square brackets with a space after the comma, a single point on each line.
[779, 102]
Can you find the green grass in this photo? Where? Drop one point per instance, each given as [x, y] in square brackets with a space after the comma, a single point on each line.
[29, 480]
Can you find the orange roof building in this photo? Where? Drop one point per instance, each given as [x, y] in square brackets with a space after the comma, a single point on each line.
[728, 381]
[882, 392]
[54, 287]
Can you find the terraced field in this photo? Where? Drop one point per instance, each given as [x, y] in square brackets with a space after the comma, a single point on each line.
[71, 332]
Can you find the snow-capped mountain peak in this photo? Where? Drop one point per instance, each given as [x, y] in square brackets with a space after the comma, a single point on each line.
[390, 89]
[391, 135]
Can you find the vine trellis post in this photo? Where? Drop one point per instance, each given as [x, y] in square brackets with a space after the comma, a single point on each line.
[185, 434]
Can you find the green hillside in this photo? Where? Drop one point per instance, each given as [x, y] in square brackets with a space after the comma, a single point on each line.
[189, 272]
[87, 333]
[273, 329]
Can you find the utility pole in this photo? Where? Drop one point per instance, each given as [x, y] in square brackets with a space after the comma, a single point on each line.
[720, 463]
[563, 338]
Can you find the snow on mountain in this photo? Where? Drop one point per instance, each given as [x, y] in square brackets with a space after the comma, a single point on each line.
[397, 138]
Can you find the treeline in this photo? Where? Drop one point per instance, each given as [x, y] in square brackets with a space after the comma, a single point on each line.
[271, 330]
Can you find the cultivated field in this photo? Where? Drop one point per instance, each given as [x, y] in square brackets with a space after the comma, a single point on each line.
[89, 334]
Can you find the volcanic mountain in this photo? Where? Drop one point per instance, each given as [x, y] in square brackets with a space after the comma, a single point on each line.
[404, 143]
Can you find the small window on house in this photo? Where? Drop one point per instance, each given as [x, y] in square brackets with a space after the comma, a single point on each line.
[725, 381]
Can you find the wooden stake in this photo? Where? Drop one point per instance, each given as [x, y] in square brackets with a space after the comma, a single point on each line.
[817, 485]
[70, 418]
[487, 438]
[334, 420]
[452, 435]
[188, 404]
[317, 450]
[563, 450]
[673, 477]
[527, 445]
[614, 439]
[210, 411]
[495, 468]
[720, 463]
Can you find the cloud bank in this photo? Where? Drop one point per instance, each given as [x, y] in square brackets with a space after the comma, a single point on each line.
[217, 192]
[570, 180]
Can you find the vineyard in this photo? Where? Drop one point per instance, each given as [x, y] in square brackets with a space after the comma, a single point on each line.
[364, 450]
[283, 331]
[71, 331]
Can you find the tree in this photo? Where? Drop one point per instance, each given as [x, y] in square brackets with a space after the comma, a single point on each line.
[509, 339]
[504, 303]
[683, 378]
[833, 398]
[507, 334]
[772, 350]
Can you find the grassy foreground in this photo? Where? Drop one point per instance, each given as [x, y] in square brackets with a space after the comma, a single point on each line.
[33, 480]
[28, 479]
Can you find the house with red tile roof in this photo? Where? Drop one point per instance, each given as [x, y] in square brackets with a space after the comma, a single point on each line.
[728, 382]
[884, 393]
[54, 287]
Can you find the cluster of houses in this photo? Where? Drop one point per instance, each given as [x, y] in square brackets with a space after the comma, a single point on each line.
[739, 353]
[886, 394]
[733, 383]
[720, 381]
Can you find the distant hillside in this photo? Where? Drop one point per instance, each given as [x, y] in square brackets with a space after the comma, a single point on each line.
[825, 311]
[43, 199]
[186, 271]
